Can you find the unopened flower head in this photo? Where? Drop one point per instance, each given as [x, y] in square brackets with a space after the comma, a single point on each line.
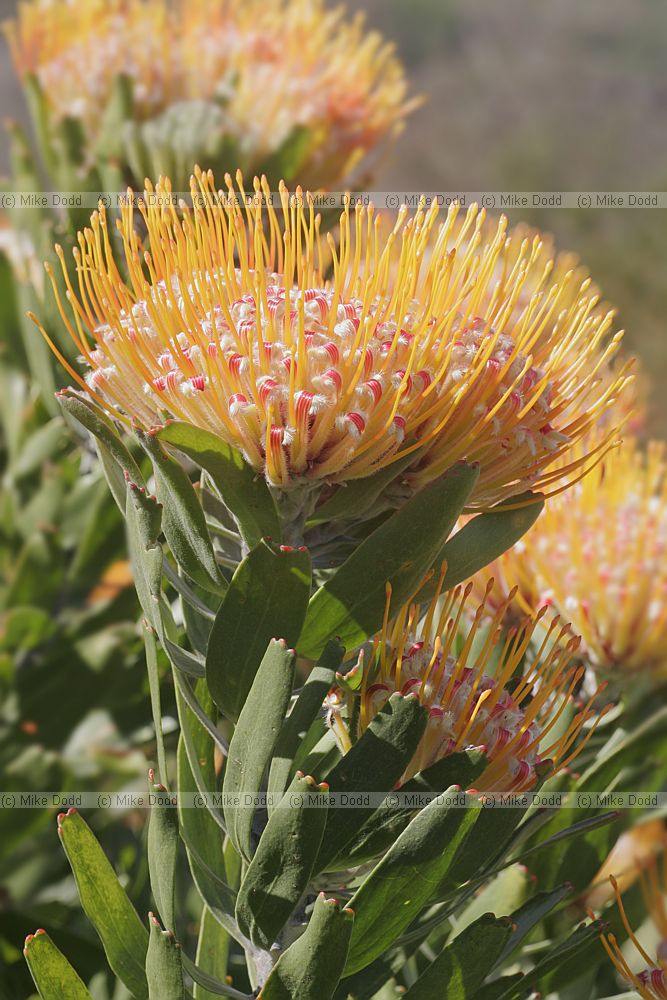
[467, 681]
[649, 982]
[263, 77]
[232, 322]
[598, 555]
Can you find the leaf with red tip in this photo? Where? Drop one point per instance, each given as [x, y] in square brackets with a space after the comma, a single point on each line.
[106, 903]
[531, 913]
[163, 852]
[52, 974]
[164, 971]
[311, 968]
[254, 739]
[280, 871]
[267, 597]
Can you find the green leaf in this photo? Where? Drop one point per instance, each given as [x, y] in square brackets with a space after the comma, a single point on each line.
[119, 109]
[280, 871]
[254, 739]
[183, 660]
[355, 498]
[207, 985]
[10, 323]
[105, 903]
[153, 672]
[577, 946]
[52, 974]
[267, 598]
[143, 516]
[351, 603]
[461, 968]
[634, 746]
[183, 520]
[201, 829]
[485, 538]
[374, 764]
[505, 988]
[500, 895]
[39, 114]
[408, 876]
[37, 574]
[186, 694]
[388, 822]
[303, 714]
[164, 971]
[212, 953]
[488, 840]
[243, 490]
[531, 913]
[581, 828]
[39, 448]
[311, 968]
[102, 429]
[289, 159]
[163, 852]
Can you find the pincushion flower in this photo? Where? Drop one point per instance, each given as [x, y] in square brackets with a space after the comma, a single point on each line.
[464, 679]
[241, 81]
[651, 981]
[597, 556]
[231, 322]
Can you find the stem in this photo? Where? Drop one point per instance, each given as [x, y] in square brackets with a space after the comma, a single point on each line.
[294, 508]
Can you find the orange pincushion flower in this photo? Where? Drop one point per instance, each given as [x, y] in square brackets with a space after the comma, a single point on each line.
[651, 982]
[597, 556]
[468, 695]
[260, 73]
[231, 323]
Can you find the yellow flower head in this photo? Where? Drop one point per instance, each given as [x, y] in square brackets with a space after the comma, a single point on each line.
[464, 679]
[267, 75]
[324, 365]
[651, 982]
[597, 555]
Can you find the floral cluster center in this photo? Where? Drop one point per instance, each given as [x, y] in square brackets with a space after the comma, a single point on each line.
[297, 379]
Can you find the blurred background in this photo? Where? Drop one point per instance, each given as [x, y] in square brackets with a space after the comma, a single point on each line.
[527, 94]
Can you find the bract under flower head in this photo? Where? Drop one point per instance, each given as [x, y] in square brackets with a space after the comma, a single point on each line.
[597, 556]
[467, 681]
[231, 322]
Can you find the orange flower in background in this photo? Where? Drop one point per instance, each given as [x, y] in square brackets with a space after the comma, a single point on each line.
[462, 675]
[597, 556]
[264, 75]
[323, 363]
[632, 849]
[651, 982]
